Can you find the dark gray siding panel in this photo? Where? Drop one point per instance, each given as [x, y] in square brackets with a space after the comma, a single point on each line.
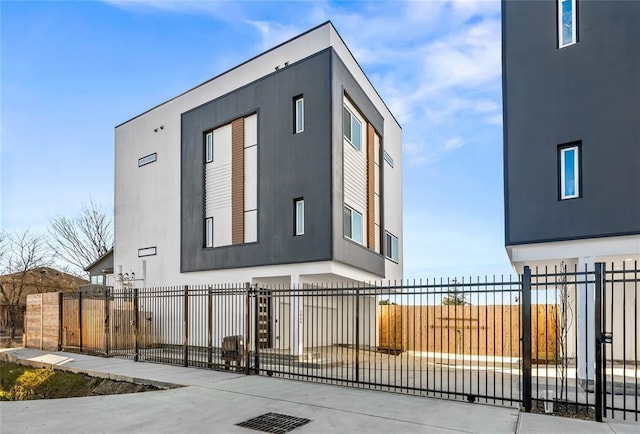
[289, 166]
[588, 92]
[345, 250]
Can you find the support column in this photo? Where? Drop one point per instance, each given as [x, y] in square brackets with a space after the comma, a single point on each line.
[585, 309]
[297, 317]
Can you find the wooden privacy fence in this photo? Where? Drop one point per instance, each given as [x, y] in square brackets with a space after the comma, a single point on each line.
[492, 330]
[102, 324]
[93, 322]
[41, 321]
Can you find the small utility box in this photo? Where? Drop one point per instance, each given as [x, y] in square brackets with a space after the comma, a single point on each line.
[233, 351]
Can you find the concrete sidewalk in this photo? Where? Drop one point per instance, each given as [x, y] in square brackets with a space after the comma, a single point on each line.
[214, 402]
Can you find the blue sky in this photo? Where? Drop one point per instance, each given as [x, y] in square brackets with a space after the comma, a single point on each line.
[72, 71]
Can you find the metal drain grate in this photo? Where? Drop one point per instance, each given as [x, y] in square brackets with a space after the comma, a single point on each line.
[274, 423]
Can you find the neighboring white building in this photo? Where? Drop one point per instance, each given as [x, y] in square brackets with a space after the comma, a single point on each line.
[285, 169]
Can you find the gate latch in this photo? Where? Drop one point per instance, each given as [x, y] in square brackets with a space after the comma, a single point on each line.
[606, 337]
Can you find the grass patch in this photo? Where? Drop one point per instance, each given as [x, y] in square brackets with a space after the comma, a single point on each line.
[19, 383]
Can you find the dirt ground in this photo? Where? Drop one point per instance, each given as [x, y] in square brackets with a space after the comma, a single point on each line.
[20, 383]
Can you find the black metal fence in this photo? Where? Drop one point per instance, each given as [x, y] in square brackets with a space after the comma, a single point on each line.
[536, 341]
[446, 339]
[619, 340]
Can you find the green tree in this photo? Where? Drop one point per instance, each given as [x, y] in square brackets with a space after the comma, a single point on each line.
[455, 296]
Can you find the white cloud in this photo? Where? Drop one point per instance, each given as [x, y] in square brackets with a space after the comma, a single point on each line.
[454, 143]
[224, 10]
[466, 60]
[274, 33]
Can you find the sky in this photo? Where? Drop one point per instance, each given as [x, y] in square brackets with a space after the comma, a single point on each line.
[71, 71]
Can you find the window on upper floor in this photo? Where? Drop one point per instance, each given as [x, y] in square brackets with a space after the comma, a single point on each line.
[208, 146]
[147, 159]
[298, 121]
[208, 232]
[298, 206]
[353, 225]
[391, 247]
[567, 22]
[569, 162]
[388, 158]
[351, 128]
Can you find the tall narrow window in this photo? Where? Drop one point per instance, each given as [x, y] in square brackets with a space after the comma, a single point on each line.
[392, 247]
[299, 216]
[209, 147]
[566, 22]
[299, 114]
[208, 232]
[353, 225]
[351, 128]
[570, 172]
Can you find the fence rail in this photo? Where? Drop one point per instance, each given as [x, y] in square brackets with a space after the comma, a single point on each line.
[535, 341]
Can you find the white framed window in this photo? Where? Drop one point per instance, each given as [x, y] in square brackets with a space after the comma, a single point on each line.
[208, 232]
[97, 280]
[147, 251]
[391, 250]
[570, 171]
[209, 147]
[299, 216]
[299, 114]
[351, 128]
[353, 225]
[387, 158]
[567, 22]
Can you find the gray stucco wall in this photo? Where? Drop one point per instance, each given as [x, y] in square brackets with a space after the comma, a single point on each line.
[588, 92]
[289, 166]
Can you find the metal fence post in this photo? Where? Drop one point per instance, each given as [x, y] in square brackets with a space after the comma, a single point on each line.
[209, 327]
[526, 339]
[256, 329]
[106, 321]
[136, 306]
[247, 326]
[185, 331]
[357, 334]
[599, 278]
[80, 320]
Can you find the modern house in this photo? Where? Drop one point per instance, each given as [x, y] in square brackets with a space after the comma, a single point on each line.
[284, 169]
[101, 270]
[571, 93]
[571, 131]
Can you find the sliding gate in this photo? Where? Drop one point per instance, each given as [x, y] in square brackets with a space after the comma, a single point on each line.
[452, 339]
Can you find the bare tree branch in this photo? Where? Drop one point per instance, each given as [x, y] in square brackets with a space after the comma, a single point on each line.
[20, 254]
[80, 241]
